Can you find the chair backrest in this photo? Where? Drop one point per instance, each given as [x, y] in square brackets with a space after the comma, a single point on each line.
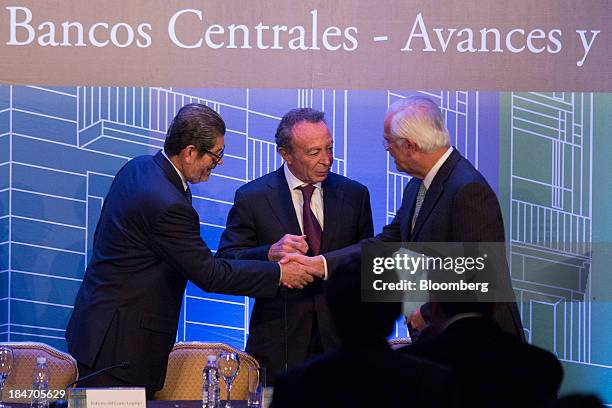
[399, 342]
[185, 365]
[62, 368]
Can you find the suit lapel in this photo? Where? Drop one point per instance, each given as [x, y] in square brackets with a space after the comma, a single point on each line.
[280, 201]
[431, 198]
[169, 171]
[434, 191]
[409, 199]
[333, 197]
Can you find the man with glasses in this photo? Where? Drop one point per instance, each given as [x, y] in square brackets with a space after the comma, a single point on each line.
[217, 157]
[301, 208]
[146, 246]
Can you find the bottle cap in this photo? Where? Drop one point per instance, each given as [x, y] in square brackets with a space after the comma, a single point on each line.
[212, 358]
[41, 360]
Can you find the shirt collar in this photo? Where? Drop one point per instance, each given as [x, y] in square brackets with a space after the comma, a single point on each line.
[458, 317]
[293, 181]
[177, 170]
[434, 170]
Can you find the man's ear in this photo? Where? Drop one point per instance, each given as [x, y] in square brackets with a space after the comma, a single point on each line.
[189, 154]
[410, 147]
[285, 155]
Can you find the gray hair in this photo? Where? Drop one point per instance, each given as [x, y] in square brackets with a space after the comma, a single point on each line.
[291, 118]
[419, 120]
[194, 124]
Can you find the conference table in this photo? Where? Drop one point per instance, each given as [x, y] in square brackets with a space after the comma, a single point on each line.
[160, 404]
[189, 404]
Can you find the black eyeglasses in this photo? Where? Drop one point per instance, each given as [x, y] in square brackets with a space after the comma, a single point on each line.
[216, 157]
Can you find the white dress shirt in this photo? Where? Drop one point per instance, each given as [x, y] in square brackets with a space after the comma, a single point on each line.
[316, 201]
[434, 170]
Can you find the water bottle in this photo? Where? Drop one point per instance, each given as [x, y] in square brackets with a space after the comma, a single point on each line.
[40, 384]
[211, 387]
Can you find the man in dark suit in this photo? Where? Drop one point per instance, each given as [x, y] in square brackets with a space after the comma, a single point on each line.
[300, 208]
[492, 367]
[146, 246]
[447, 200]
[364, 371]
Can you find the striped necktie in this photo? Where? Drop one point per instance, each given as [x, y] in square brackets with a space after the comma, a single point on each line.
[419, 203]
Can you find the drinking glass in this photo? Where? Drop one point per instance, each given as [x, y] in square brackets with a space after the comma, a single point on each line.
[257, 383]
[229, 364]
[6, 363]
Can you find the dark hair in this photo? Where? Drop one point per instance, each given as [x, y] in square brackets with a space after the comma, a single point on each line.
[194, 124]
[451, 309]
[578, 401]
[291, 118]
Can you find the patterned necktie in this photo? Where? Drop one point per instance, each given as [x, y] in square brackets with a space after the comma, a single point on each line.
[188, 194]
[312, 228]
[419, 203]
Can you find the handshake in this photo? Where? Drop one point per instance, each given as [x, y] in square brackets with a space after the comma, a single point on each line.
[297, 269]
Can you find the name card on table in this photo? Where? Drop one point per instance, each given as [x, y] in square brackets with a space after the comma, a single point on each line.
[116, 398]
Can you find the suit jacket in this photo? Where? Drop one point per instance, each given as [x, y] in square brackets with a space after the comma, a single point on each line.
[146, 246]
[370, 375]
[492, 367]
[280, 328]
[459, 206]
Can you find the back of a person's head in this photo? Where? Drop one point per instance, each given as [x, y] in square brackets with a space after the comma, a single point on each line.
[420, 120]
[451, 309]
[353, 318]
[194, 124]
[578, 401]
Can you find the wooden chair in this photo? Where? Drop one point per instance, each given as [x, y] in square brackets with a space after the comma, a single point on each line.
[185, 365]
[62, 368]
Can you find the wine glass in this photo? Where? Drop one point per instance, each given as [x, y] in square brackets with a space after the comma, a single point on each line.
[6, 363]
[229, 365]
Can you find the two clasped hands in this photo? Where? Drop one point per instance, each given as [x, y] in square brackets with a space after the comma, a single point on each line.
[297, 269]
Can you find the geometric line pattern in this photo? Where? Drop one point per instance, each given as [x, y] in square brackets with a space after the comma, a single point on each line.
[551, 218]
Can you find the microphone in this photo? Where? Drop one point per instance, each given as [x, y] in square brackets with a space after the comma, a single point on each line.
[63, 403]
[123, 365]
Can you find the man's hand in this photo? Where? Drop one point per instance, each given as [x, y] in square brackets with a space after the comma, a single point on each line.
[313, 265]
[294, 275]
[288, 244]
[418, 328]
[416, 320]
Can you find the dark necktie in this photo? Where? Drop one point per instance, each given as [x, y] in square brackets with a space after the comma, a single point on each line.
[419, 203]
[188, 194]
[312, 228]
